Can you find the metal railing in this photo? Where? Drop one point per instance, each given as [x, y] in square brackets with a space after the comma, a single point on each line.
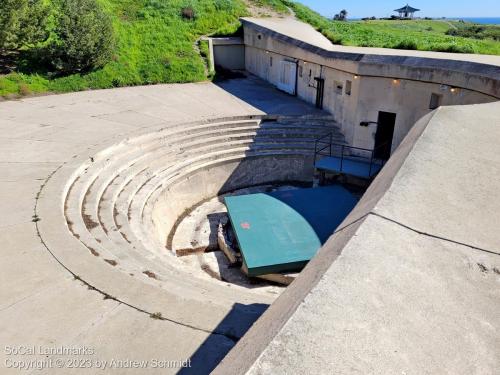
[324, 146]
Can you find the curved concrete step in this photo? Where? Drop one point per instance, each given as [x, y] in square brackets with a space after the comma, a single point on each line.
[110, 201]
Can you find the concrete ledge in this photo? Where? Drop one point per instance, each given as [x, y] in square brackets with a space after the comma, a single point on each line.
[475, 72]
[227, 41]
[384, 297]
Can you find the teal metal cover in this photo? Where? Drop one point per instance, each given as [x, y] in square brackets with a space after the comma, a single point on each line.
[281, 231]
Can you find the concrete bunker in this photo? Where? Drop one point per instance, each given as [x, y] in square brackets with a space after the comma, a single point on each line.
[115, 200]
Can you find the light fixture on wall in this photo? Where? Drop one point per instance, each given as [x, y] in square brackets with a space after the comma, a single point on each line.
[395, 81]
[453, 90]
[356, 76]
[366, 123]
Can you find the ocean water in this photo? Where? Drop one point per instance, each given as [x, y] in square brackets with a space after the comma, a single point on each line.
[483, 20]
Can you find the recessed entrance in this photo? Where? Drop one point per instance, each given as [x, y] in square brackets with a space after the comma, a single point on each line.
[320, 89]
[384, 135]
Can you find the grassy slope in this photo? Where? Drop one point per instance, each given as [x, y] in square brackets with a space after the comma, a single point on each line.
[418, 34]
[155, 45]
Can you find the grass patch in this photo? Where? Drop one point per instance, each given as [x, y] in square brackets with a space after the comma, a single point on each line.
[424, 35]
[156, 42]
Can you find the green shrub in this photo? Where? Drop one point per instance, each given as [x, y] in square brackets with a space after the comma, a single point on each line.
[476, 31]
[22, 22]
[452, 48]
[84, 37]
[224, 5]
[406, 44]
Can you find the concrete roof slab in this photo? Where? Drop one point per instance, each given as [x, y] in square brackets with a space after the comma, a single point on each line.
[411, 304]
[447, 186]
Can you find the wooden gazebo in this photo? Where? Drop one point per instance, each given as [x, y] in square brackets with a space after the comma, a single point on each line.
[406, 11]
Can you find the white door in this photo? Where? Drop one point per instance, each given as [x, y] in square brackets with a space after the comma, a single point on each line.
[288, 75]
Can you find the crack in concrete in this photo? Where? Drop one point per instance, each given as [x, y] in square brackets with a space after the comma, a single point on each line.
[103, 293]
[435, 236]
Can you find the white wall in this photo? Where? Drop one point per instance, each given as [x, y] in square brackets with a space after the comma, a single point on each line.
[408, 98]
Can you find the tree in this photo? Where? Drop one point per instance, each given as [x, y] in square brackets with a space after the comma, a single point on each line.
[84, 37]
[342, 16]
[22, 23]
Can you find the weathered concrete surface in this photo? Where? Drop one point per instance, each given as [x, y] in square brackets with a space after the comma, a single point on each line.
[410, 283]
[41, 302]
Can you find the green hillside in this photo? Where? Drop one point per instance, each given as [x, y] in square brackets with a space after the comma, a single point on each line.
[157, 43]
[154, 44]
[424, 35]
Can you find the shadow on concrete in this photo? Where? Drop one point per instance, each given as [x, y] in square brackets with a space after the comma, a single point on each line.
[213, 220]
[236, 323]
[267, 98]
[276, 155]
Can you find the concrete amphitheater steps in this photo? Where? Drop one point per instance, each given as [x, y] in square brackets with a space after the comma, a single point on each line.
[55, 291]
[111, 197]
[118, 229]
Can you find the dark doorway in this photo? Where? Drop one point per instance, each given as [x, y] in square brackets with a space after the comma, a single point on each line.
[320, 90]
[384, 134]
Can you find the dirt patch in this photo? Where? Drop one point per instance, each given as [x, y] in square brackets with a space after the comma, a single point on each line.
[111, 261]
[482, 268]
[190, 251]
[209, 271]
[150, 274]
[93, 251]
[257, 10]
[89, 223]
[156, 315]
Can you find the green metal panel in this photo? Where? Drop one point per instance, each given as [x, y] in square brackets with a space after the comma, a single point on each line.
[283, 230]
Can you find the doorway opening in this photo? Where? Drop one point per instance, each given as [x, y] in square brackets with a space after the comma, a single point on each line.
[320, 90]
[383, 136]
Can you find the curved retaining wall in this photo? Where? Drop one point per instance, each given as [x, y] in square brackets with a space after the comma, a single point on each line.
[121, 204]
[409, 283]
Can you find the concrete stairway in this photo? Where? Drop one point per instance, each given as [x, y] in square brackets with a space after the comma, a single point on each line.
[123, 203]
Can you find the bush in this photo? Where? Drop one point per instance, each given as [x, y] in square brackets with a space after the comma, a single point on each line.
[84, 37]
[224, 5]
[406, 44]
[22, 22]
[476, 32]
[452, 48]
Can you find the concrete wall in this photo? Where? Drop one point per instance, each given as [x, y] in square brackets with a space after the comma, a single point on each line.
[409, 281]
[228, 53]
[404, 90]
[205, 183]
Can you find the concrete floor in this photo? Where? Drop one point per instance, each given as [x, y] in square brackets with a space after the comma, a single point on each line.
[266, 98]
[42, 305]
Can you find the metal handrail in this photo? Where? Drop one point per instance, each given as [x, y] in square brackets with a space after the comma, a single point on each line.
[329, 145]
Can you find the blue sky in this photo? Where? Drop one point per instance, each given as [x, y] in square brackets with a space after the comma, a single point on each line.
[430, 8]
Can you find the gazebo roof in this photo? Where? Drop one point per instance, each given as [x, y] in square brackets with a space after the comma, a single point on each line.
[407, 9]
